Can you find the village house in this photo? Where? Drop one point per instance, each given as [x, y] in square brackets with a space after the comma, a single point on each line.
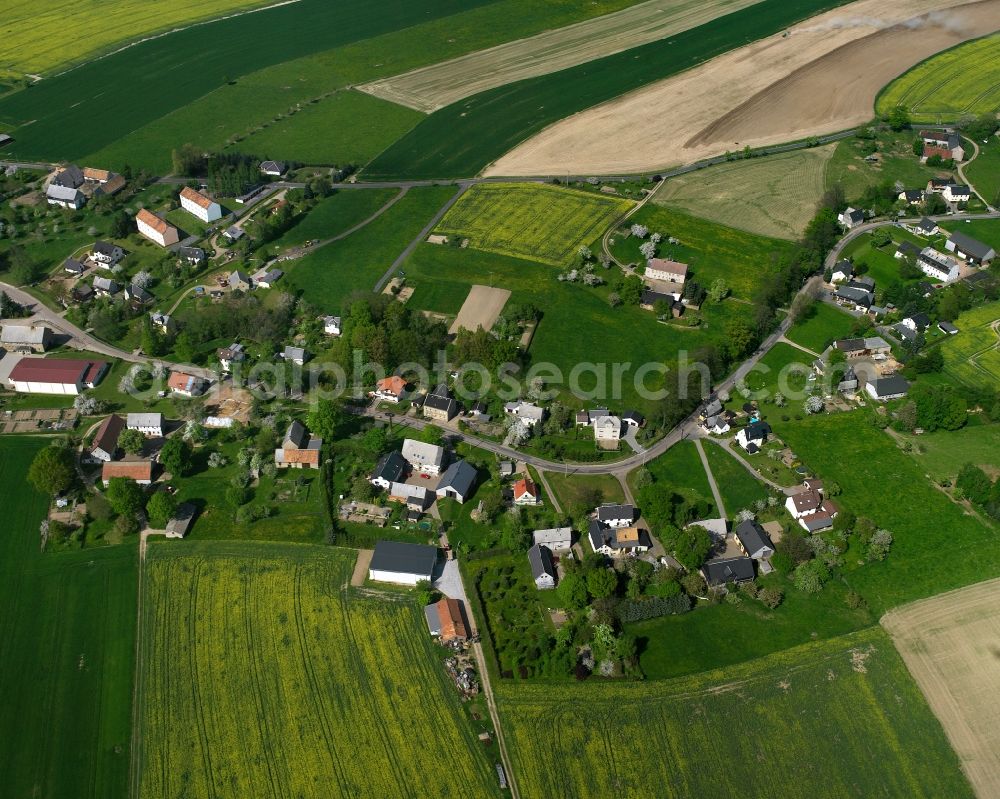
[617, 541]
[82, 293]
[390, 389]
[446, 620]
[543, 570]
[753, 541]
[331, 325]
[712, 408]
[439, 405]
[238, 281]
[73, 267]
[947, 328]
[723, 571]
[138, 297]
[193, 255]
[527, 412]
[401, 563]
[947, 145]
[874, 347]
[105, 287]
[937, 265]
[233, 234]
[391, 468]
[185, 385]
[415, 497]
[844, 270]
[422, 457]
[65, 197]
[457, 482]
[296, 355]
[139, 471]
[608, 428]
[266, 278]
[104, 447]
[149, 424]
[970, 249]
[162, 322]
[957, 193]
[556, 539]
[918, 323]
[907, 249]
[273, 169]
[299, 449]
[716, 425]
[183, 517]
[55, 375]
[753, 436]
[157, 230]
[884, 389]
[851, 217]
[200, 206]
[912, 196]
[70, 177]
[614, 515]
[666, 271]
[25, 338]
[926, 227]
[650, 298]
[106, 255]
[857, 297]
[234, 353]
[525, 492]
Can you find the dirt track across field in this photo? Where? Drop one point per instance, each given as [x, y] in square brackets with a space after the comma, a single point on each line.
[434, 87]
[481, 309]
[820, 77]
[951, 645]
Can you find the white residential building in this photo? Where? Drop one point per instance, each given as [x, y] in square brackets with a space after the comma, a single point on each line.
[525, 411]
[155, 229]
[556, 538]
[427, 458]
[957, 193]
[608, 428]
[197, 204]
[666, 271]
[331, 325]
[937, 265]
[149, 424]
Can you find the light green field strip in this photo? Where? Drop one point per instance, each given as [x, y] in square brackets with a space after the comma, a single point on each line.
[434, 87]
[37, 36]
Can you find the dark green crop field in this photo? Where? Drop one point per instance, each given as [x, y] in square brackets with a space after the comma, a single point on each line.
[461, 139]
[67, 636]
[145, 82]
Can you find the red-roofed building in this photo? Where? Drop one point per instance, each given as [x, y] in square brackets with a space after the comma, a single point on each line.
[184, 384]
[525, 492]
[140, 471]
[390, 389]
[55, 375]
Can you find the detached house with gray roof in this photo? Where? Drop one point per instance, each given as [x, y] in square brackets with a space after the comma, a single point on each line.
[458, 482]
[543, 570]
[970, 249]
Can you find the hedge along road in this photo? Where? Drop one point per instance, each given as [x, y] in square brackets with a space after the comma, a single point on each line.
[143, 83]
[463, 138]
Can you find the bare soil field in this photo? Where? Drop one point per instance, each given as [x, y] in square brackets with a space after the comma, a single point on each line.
[481, 309]
[819, 77]
[430, 88]
[951, 645]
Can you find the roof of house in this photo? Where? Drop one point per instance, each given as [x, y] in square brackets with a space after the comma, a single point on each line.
[422, 452]
[105, 284]
[139, 293]
[133, 470]
[237, 276]
[845, 266]
[393, 384]
[181, 381]
[526, 410]
[106, 437]
[105, 248]
[56, 370]
[70, 175]
[58, 192]
[920, 320]
[854, 214]
[806, 501]
[439, 402]
[460, 477]
[664, 265]
[390, 467]
[23, 334]
[908, 248]
[727, 570]
[540, 558]
[607, 513]
[757, 431]
[617, 537]
[183, 516]
[816, 521]
[553, 535]
[890, 386]
[191, 252]
[272, 166]
[396, 556]
[650, 297]
[525, 486]
[295, 353]
[297, 436]
[91, 173]
[147, 217]
[135, 420]
[608, 421]
[912, 194]
[713, 408]
[972, 246]
[947, 327]
[445, 618]
[752, 536]
[74, 266]
[196, 197]
[959, 188]
[633, 416]
[855, 294]
[926, 224]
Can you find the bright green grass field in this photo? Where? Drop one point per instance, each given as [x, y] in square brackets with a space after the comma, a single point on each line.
[738, 487]
[897, 163]
[830, 719]
[883, 266]
[936, 546]
[970, 356]
[783, 370]
[578, 325]
[710, 250]
[570, 489]
[334, 215]
[328, 276]
[963, 80]
[262, 674]
[67, 634]
[538, 222]
[822, 325]
[986, 230]
[984, 171]
[944, 452]
[681, 470]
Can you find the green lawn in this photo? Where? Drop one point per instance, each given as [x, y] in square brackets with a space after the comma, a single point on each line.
[328, 276]
[333, 215]
[883, 266]
[984, 172]
[971, 355]
[896, 162]
[943, 453]
[538, 222]
[571, 489]
[782, 370]
[936, 546]
[710, 250]
[680, 469]
[822, 325]
[461, 139]
[67, 632]
[986, 230]
[834, 718]
[738, 487]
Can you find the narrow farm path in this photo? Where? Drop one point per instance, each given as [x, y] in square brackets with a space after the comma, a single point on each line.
[711, 480]
[965, 180]
[790, 343]
[549, 492]
[787, 491]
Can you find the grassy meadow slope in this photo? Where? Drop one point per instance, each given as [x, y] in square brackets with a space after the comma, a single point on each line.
[461, 139]
[67, 634]
[963, 80]
[263, 675]
[836, 718]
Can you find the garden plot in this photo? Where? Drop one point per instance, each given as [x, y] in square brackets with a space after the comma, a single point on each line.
[481, 309]
[434, 87]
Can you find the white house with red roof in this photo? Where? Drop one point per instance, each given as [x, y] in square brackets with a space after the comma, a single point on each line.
[197, 204]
